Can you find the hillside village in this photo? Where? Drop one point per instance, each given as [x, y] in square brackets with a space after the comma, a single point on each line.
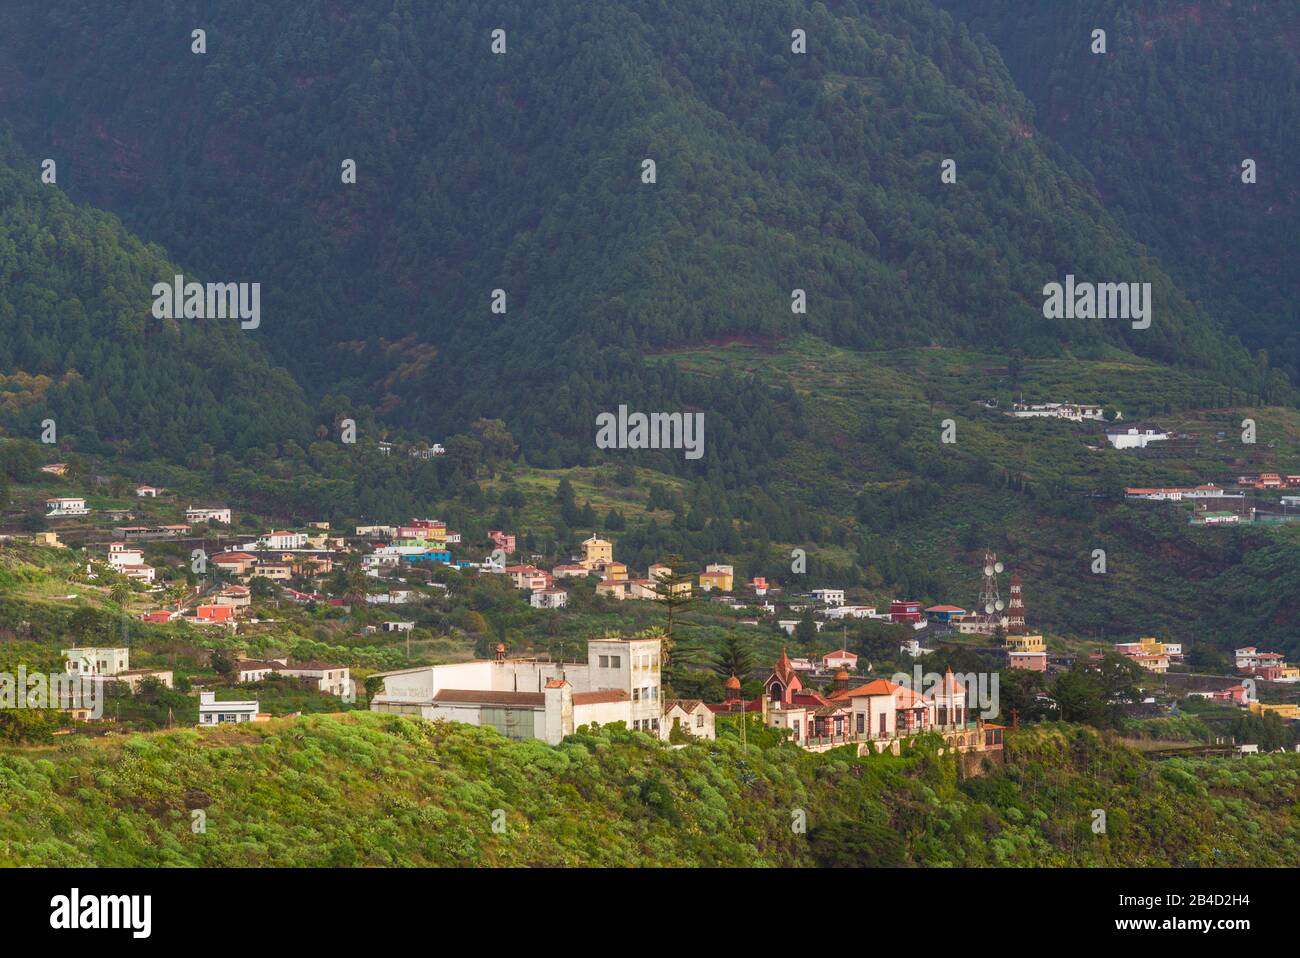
[242, 587]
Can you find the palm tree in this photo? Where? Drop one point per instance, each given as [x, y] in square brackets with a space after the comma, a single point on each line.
[354, 581]
[120, 593]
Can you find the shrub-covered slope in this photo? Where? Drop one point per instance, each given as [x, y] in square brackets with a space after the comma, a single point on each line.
[368, 789]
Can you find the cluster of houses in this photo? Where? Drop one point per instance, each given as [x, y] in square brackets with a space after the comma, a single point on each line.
[1215, 505]
[620, 681]
[420, 540]
[876, 716]
[83, 664]
[1269, 480]
[615, 582]
[63, 507]
[1155, 655]
[1151, 654]
[1269, 666]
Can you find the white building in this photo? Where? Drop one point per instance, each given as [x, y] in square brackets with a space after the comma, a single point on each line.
[1137, 436]
[65, 506]
[212, 712]
[193, 514]
[1074, 412]
[829, 596]
[91, 660]
[120, 554]
[330, 678]
[691, 717]
[283, 540]
[788, 626]
[255, 670]
[147, 492]
[1178, 493]
[398, 626]
[851, 612]
[138, 573]
[840, 659]
[549, 599]
[535, 699]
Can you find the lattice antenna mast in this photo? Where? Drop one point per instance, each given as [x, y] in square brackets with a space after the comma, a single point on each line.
[990, 602]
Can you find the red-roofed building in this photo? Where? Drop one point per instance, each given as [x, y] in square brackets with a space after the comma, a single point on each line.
[214, 614]
[840, 659]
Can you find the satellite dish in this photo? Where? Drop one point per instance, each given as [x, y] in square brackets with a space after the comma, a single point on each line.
[988, 570]
[997, 567]
[989, 607]
[999, 605]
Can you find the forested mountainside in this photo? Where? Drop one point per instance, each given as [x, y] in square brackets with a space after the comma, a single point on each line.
[1162, 123]
[523, 172]
[775, 171]
[378, 790]
[79, 346]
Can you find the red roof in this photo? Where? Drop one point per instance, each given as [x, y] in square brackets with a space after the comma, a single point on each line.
[874, 687]
[784, 670]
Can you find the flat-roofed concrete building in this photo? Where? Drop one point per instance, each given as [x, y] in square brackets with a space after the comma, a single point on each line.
[537, 698]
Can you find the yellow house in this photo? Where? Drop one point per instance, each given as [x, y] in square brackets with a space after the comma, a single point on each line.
[1288, 713]
[596, 551]
[660, 571]
[615, 571]
[716, 577]
[1026, 643]
[1152, 646]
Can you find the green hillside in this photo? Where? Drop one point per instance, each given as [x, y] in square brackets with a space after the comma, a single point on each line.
[368, 789]
[521, 172]
[1160, 125]
[79, 346]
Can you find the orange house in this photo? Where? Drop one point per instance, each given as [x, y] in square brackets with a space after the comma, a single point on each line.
[215, 613]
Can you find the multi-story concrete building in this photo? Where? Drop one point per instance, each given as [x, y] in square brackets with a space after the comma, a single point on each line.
[537, 698]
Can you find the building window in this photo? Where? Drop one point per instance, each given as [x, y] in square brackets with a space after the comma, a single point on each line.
[604, 661]
[654, 724]
[862, 722]
[699, 721]
[615, 661]
[636, 695]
